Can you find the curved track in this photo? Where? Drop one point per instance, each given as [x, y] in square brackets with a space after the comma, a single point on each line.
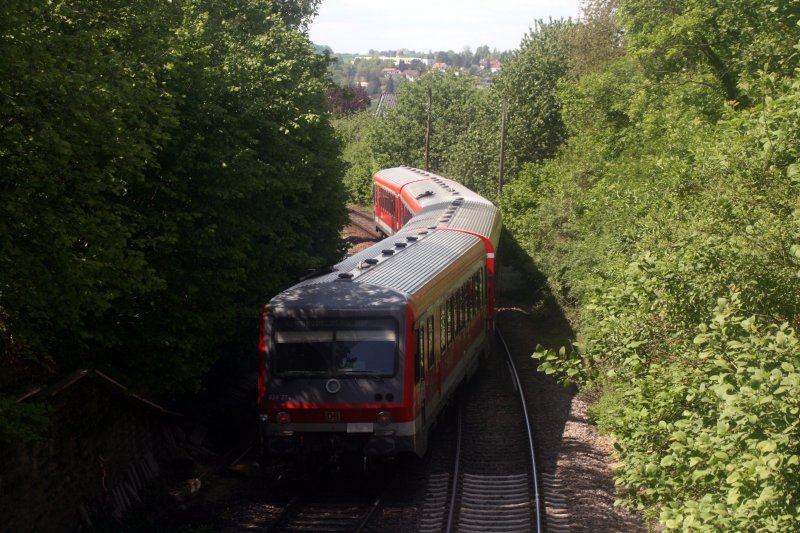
[363, 220]
[494, 486]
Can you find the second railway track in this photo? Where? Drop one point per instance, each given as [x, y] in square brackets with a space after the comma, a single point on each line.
[363, 221]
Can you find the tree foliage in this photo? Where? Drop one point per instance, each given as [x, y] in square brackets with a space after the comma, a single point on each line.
[356, 133]
[465, 130]
[669, 228]
[163, 167]
[529, 82]
[344, 101]
[713, 41]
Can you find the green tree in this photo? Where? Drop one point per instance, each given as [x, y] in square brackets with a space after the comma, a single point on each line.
[668, 226]
[710, 41]
[465, 130]
[231, 210]
[529, 81]
[597, 39]
[356, 132]
[84, 111]
[165, 168]
[296, 13]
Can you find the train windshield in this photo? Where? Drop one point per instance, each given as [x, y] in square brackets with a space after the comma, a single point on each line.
[335, 348]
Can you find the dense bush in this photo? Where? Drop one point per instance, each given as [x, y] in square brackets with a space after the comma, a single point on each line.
[669, 226]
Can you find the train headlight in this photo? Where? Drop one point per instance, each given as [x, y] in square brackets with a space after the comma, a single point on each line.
[384, 418]
[283, 418]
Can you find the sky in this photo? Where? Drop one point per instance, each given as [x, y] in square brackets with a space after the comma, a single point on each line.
[356, 26]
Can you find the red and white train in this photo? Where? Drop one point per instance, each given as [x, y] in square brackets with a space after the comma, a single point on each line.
[363, 358]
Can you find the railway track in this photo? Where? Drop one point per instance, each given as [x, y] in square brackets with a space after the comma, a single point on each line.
[494, 484]
[323, 513]
[331, 505]
[363, 220]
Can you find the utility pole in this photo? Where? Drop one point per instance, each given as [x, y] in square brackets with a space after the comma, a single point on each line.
[502, 147]
[428, 133]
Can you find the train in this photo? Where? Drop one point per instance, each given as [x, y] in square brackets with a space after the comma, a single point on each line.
[364, 356]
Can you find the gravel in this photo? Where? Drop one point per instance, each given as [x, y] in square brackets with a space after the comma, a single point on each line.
[569, 447]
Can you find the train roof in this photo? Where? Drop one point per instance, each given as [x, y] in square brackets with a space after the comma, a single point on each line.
[453, 230]
[408, 266]
[443, 203]
[398, 177]
[338, 296]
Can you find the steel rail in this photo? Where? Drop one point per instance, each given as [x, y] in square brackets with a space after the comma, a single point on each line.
[535, 476]
[368, 225]
[368, 516]
[456, 467]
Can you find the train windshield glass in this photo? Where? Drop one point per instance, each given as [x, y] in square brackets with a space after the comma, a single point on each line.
[335, 348]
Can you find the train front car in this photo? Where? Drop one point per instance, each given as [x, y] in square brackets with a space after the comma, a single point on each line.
[334, 371]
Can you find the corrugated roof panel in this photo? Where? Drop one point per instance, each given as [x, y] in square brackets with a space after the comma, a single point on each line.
[352, 262]
[477, 217]
[411, 269]
[426, 218]
[403, 175]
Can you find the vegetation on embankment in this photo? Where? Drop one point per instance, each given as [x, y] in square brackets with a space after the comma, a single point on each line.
[165, 168]
[653, 175]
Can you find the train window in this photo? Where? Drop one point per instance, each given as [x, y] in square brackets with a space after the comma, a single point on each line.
[480, 288]
[456, 312]
[472, 296]
[462, 315]
[431, 351]
[364, 352]
[419, 355]
[451, 319]
[459, 311]
[405, 213]
[335, 347]
[387, 201]
[297, 356]
[426, 355]
[448, 321]
[443, 327]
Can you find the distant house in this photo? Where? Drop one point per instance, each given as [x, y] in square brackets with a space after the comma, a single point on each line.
[411, 74]
[491, 64]
[391, 72]
[396, 59]
[439, 65]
